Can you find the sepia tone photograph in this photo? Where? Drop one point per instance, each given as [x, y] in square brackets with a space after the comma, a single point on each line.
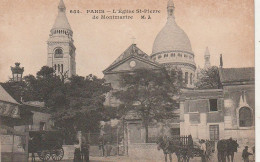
[127, 80]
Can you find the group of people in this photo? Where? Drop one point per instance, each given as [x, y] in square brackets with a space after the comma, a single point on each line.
[81, 153]
[226, 149]
[105, 148]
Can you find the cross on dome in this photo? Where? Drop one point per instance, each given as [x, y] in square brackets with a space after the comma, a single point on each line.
[133, 39]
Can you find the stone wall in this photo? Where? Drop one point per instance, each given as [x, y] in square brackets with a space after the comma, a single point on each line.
[244, 137]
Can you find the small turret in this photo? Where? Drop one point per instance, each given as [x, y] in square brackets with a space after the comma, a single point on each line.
[207, 59]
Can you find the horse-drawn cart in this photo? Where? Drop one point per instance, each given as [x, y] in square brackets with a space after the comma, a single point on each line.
[184, 148]
[46, 144]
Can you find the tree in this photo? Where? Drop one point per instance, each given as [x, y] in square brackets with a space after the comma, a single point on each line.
[84, 104]
[209, 78]
[149, 93]
[76, 104]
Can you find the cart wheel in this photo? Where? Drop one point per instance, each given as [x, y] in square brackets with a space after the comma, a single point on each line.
[57, 154]
[44, 155]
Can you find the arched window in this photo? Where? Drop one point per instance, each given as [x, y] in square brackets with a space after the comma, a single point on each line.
[191, 77]
[58, 67]
[245, 117]
[186, 77]
[58, 53]
[55, 67]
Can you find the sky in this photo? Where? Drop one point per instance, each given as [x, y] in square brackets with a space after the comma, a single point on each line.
[224, 26]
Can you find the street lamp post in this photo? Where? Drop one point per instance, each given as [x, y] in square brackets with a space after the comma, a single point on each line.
[17, 72]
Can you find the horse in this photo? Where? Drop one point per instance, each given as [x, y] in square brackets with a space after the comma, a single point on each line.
[209, 150]
[222, 150]
[232, 146]
[226, 149]
[167, 145]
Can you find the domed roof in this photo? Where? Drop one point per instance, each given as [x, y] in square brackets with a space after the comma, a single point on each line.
[61, 21]
[171, 37]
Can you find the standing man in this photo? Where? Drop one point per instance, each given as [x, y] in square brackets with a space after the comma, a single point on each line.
[245, 154]
[101, 145]
[203, 148]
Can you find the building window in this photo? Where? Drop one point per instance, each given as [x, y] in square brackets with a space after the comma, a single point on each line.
[186, 77]
[55, 67]
[159, 56]
[58, 53]
[185, 55]
[165, 55]
[172, 54]
[214, 132]
[213, 104]
[42, 126]
[191, 77]
[61, 68]
[245, 117]
[180, 55]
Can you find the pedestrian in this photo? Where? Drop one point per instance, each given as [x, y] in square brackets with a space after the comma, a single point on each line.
[245, 154]
[108, 149]
[101, 145]
[77, 152]
[204, 149]
[85, 153]
[190, 146]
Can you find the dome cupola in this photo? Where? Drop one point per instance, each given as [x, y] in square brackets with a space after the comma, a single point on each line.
[61, 24]
[172, 47]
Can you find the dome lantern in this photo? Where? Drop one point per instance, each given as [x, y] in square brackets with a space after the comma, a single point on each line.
[170, 9]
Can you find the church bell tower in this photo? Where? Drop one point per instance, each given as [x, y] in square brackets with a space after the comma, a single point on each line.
[61, 49]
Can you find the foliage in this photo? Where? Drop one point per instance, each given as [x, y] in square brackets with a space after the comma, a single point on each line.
[149, 93]
[75, 104]
[209, 78]
[84, 108]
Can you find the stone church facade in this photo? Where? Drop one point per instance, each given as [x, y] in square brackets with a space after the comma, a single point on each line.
[211, 114]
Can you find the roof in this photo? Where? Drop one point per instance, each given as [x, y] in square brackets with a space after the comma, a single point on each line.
[132, 50]
[6, 97]
[61, 21]
[201, 94]
[35, 106]
[171, 38]
[228, 75]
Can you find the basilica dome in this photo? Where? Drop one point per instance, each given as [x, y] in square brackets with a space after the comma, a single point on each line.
[171, 38]
[172, 48]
